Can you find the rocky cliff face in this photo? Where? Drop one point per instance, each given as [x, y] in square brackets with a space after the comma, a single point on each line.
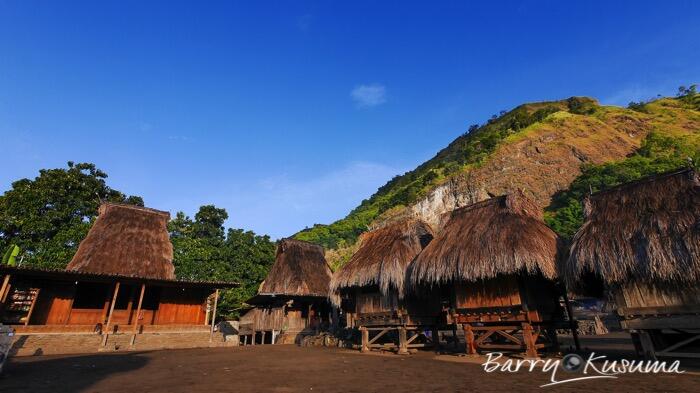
[543, 159]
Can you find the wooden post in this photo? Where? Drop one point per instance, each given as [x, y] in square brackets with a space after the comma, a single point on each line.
[5, 287]
[252, 337]
[364, 347]
[206, 316]
[130, 304]
[435, 335]
[213, 315]
[529, 338]
[572, 322]
[105, 333]
[31, 308]
[105, 308]
[262, 337]
[647, 345]
[403, 345]
[245, 340]
[138, 311]
[469, 339]
[454, 336]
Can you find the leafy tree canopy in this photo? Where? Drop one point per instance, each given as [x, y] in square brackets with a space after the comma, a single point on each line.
[203, 252]
[48, 216]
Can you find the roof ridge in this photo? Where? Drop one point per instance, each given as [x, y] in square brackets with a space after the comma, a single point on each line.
[643, 180]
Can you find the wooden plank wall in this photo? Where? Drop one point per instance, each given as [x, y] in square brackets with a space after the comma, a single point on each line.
[269, 318]
[54, 304]
[634, 295]
[372, 302]
[178, 306]
[497, 292]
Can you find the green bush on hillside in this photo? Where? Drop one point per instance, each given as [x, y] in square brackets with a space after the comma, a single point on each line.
[658, 154]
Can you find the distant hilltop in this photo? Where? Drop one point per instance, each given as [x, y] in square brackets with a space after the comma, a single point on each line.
[552, 151]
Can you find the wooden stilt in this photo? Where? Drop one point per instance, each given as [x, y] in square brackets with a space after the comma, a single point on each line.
[364, 346]
[245, 340]
[403, 345]
[138, 311]
[105, 333]
[647, 345]
[435, 336]
[213, 315]
[454, 337]
[252, 337]
[469, 339]
[529, 338]
[572, 322]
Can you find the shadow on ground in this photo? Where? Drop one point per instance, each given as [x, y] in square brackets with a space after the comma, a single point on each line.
[66, 373]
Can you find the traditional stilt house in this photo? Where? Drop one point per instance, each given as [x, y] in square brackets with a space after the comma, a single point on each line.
[642, 239]
[292, 302]
[120, 281]
[370, 288]
[497, 261]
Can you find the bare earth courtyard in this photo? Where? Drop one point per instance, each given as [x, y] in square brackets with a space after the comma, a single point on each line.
[288, 368]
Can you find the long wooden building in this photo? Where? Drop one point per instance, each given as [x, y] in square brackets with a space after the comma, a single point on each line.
[120, 281]
[496, 262]
[370, 289]
[292, 302]
[642, 240]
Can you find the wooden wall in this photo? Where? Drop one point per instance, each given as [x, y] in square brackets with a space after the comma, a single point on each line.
[178, 306]
[59, 303]
[497, 292]
[371, 300]
[534, 294]
[637, 295]
[53, 304]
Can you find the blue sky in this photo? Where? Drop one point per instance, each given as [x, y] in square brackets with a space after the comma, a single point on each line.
[290, 113]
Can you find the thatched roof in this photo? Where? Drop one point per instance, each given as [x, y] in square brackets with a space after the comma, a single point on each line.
[648, 230]
[129, 241]
[502, 235]
[383, 256]
[300, 269]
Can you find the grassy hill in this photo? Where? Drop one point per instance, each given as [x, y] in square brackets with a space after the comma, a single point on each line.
[543, 148]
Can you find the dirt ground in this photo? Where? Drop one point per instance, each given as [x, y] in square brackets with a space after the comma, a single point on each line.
[288, 368]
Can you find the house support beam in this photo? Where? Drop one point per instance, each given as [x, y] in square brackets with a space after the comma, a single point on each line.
[403, 341]
[138, 312]
[213, 315]
[105, 332]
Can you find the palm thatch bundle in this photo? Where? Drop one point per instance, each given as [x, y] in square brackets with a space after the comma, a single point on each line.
[127, 240]
[648, 231]
[502, 235]
[300, 269]
[383, 257]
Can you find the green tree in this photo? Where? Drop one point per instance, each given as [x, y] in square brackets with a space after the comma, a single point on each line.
[203, 252]
[48, 217]
[658, 154]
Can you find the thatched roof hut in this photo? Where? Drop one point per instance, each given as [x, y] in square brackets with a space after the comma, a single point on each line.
[300, 269]
[502, 235]
[129, 241]
[647, 231]
[383, 257]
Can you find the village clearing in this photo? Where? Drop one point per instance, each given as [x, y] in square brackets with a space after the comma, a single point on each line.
[289, 368]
